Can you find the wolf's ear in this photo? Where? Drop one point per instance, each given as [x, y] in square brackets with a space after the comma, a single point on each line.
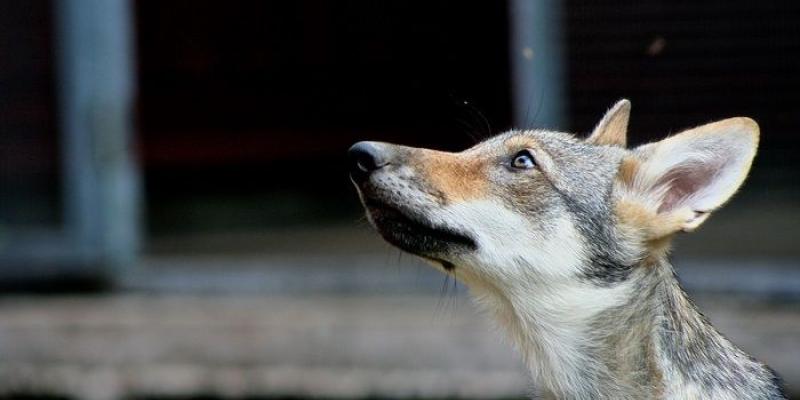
[613, 128]
[687, 176]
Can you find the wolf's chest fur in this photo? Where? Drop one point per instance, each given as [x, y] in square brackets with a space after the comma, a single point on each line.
[637, 348]
[565, 243]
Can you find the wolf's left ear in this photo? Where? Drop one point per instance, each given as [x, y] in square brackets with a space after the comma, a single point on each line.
[612, 130]
[687, 176]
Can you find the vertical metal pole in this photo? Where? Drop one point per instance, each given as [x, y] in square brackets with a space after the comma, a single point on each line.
[537, 63]
[101, 181]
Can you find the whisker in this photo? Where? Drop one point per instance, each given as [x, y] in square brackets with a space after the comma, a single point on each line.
[440, 304]
[454, 295]
[538, 108]
[526, 121]
[484, 121]
[399, 264]
[468, 129]
[476, 119]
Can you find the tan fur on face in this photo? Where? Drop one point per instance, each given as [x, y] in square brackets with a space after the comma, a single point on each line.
[627, 170]
[455, 177]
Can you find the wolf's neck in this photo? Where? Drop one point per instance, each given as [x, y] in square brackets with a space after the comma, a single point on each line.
[625, 341]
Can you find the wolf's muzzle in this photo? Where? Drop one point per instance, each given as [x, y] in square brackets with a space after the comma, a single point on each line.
[367, 157]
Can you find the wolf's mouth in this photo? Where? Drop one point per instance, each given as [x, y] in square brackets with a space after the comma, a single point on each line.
[411, 234]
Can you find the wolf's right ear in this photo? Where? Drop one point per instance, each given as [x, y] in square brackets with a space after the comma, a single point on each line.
[612, 130]
[680, 180]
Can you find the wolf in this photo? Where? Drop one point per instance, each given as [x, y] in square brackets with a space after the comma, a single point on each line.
[564, 241]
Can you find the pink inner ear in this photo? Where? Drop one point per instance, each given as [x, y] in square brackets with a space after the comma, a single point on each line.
[686, 181]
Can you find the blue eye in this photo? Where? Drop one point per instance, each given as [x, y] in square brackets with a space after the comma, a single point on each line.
[523, 160]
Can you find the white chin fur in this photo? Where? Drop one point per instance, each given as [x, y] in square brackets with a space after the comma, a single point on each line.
[527, 277]
[512, 248]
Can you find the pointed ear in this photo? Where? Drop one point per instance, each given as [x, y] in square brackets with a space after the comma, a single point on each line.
[613, 128]
[682, 179]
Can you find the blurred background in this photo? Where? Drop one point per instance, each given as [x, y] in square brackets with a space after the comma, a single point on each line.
[176, 219]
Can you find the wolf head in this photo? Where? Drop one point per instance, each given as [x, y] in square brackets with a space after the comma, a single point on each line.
[543, 206]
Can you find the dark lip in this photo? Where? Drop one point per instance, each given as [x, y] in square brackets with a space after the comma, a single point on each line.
[413, 234]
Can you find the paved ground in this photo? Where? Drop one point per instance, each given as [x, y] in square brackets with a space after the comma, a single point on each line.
[232, 346]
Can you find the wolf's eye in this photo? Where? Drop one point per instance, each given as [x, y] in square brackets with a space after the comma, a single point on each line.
[523, 160]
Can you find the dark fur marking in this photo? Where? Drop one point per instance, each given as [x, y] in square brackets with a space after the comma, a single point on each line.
[706, 357]
[412, 233]
[606, 271]
[603, 267]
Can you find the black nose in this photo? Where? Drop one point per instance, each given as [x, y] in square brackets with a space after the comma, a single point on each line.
[366, 157]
